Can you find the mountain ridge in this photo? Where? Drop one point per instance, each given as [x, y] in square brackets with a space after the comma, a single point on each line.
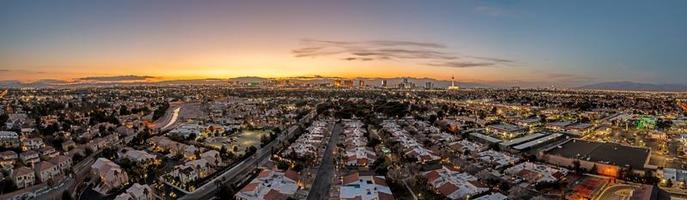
[635, 86]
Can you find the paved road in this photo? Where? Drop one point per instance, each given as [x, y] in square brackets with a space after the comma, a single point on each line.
[169, 118]
[616, 192]
[173, 119]
[325, 175]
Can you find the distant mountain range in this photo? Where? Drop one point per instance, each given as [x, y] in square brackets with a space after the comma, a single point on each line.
[391, 82]
[633, 86]
[35, 84]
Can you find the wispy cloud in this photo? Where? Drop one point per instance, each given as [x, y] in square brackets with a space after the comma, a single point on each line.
[423, 53]
[20, 71]
[499, 60]
[117, 78]
[460, 64]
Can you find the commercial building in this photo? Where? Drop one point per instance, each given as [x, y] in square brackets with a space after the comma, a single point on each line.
[606, 158]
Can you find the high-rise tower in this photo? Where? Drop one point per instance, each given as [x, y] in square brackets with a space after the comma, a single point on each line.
[453, 84]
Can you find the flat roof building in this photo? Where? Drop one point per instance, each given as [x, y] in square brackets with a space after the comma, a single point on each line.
[608, 158]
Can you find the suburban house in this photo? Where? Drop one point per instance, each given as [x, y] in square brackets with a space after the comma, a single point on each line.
[24, 177]
[270, 184]
[110, 175]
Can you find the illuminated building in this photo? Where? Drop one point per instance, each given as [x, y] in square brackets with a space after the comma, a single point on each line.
[348, 83]
[428, 85]
[608, 159]
[646, 123]
[453, 84]
[681, 104]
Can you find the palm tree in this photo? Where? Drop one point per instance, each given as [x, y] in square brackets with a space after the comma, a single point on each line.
[198, 169]
[145, 192]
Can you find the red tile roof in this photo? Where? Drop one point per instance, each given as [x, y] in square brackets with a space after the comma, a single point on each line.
[293, 175]
[379, 181]
[44, 165]
[250, 187]
[385, 196]
[431, 176]
[447, 189]
[59, 159]
[22, 171]
[274, 195]
[351, 178]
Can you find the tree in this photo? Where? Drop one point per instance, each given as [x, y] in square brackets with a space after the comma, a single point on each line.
[380, 166]
[109, 153]
[628, 173]
[373, 142]
[593, 169]
[282, 165]
[298, 167]
[3, 119]
[66, 195]
[226, 193]
[231, 155]
[77, 157]
[432, 118]
[160, 111]
[576, 166]
[123, 110]
[650, 178]
[662, 124]
[667, 183]
[223, 151]
[264, 140]
[145, 192]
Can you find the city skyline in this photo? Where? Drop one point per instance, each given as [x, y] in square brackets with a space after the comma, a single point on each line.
[567, 44]
[355, 99]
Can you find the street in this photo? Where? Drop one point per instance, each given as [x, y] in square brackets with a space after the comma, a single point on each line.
[169, 118]
[325, 175]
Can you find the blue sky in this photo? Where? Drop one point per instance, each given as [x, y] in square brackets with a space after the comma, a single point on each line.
[544, 42]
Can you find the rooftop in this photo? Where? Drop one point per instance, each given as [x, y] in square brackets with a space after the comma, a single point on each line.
[608, 153]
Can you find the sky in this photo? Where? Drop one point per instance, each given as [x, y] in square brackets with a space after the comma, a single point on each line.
[543, 42]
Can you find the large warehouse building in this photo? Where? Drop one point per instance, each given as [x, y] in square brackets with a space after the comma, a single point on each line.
[608, 158]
